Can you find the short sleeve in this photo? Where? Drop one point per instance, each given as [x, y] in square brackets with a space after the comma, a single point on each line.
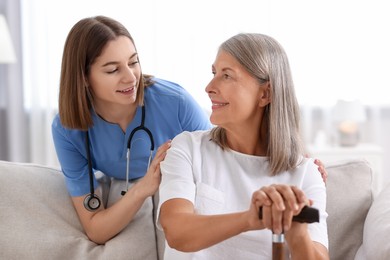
[71, 153]
[176, 169]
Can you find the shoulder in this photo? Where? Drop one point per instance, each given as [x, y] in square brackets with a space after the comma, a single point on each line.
[172, 103]
[56, 125]
[307, 164]
[168, 90]
[309, 171]
[197, 137]
[190, 145]
[56, 121]
[164, 87]
[59, 132]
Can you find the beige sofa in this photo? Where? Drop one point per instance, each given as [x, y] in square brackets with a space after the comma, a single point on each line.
[37, 219]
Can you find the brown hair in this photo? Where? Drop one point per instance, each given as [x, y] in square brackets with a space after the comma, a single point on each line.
[264, 58]
[84, 44]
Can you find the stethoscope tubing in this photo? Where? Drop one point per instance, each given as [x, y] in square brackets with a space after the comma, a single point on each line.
[141, 127]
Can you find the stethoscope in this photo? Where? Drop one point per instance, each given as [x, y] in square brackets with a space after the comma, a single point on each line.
[92, 202]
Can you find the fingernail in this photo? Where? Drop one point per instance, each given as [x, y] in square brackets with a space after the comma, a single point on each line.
[277, 231]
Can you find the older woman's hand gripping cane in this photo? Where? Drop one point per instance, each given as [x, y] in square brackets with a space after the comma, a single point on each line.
[307, 215]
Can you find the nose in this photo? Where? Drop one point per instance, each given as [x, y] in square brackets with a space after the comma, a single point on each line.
[129, 75]
[210, 88]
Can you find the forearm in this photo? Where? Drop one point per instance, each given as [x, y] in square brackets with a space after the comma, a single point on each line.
[106, 223]
[302, 247]
[189, 232]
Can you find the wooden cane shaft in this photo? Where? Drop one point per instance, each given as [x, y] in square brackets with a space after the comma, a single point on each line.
[277, 251]
[278, 247]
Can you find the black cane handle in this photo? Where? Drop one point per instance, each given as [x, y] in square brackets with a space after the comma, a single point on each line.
[307, 215]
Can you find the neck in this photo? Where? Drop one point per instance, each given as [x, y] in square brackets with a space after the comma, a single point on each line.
[251, 143]
[248, 136]
[121, 115]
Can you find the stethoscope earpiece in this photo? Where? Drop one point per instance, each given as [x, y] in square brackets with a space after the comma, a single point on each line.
[92, 202]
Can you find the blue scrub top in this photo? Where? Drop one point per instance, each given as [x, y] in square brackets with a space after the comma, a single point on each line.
[169, 110]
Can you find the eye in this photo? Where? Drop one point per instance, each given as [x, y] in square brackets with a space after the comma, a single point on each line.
[112, 71]
[226, 76]
[133, 63]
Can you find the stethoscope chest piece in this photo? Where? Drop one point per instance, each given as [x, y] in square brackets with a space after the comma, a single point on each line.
[91, 202]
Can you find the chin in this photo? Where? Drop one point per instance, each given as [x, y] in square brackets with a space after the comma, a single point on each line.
[133, 98]
[214, 120]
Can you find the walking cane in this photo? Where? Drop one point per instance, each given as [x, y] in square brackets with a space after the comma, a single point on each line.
[307, 215]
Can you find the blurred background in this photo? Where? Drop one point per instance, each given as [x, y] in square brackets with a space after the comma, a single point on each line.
[338, 52]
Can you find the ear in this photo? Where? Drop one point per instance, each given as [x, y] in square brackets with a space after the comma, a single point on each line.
[265, 95]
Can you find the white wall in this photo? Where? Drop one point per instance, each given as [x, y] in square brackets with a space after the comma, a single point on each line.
[337, 48]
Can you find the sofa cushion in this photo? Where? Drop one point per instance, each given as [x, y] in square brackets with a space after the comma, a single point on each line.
[349, 197]
[38, 220]
[376, 235]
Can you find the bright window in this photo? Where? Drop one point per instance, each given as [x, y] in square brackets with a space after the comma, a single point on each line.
[337, 49]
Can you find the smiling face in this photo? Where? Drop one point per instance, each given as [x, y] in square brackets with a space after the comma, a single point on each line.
[115, 74]
[236, 96]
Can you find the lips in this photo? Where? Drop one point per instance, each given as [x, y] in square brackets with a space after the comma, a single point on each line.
[217, 104]
[125, 91]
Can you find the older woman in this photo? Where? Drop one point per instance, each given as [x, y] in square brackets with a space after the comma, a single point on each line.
[214, 182]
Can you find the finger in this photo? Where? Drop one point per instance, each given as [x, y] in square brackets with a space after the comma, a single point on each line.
[287, 219]
[163, 148]
[324, 174]
[318, 162]
[161, 153]
[302, 200]
[261, 204]
[275, 196]
[289, 196]
[277, 220]
[267, 217]
[294, 201]
[260, 198]
[273, 215]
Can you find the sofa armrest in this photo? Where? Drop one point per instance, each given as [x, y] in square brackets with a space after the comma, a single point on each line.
[38, 220]
[376, 234]
[349, 198]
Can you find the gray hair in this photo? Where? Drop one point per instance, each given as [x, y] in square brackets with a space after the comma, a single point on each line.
[265, 59]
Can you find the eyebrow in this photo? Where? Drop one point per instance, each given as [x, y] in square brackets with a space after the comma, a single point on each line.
[223, 69]
[226, 69]
[115, 62]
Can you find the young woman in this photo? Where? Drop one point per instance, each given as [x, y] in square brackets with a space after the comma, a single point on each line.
[112, 118]
[214, 182]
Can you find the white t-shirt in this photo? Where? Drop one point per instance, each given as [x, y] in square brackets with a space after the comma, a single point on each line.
[220, 181]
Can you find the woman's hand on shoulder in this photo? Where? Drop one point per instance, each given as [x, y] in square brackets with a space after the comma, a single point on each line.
[151, 181]
[321, 169]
